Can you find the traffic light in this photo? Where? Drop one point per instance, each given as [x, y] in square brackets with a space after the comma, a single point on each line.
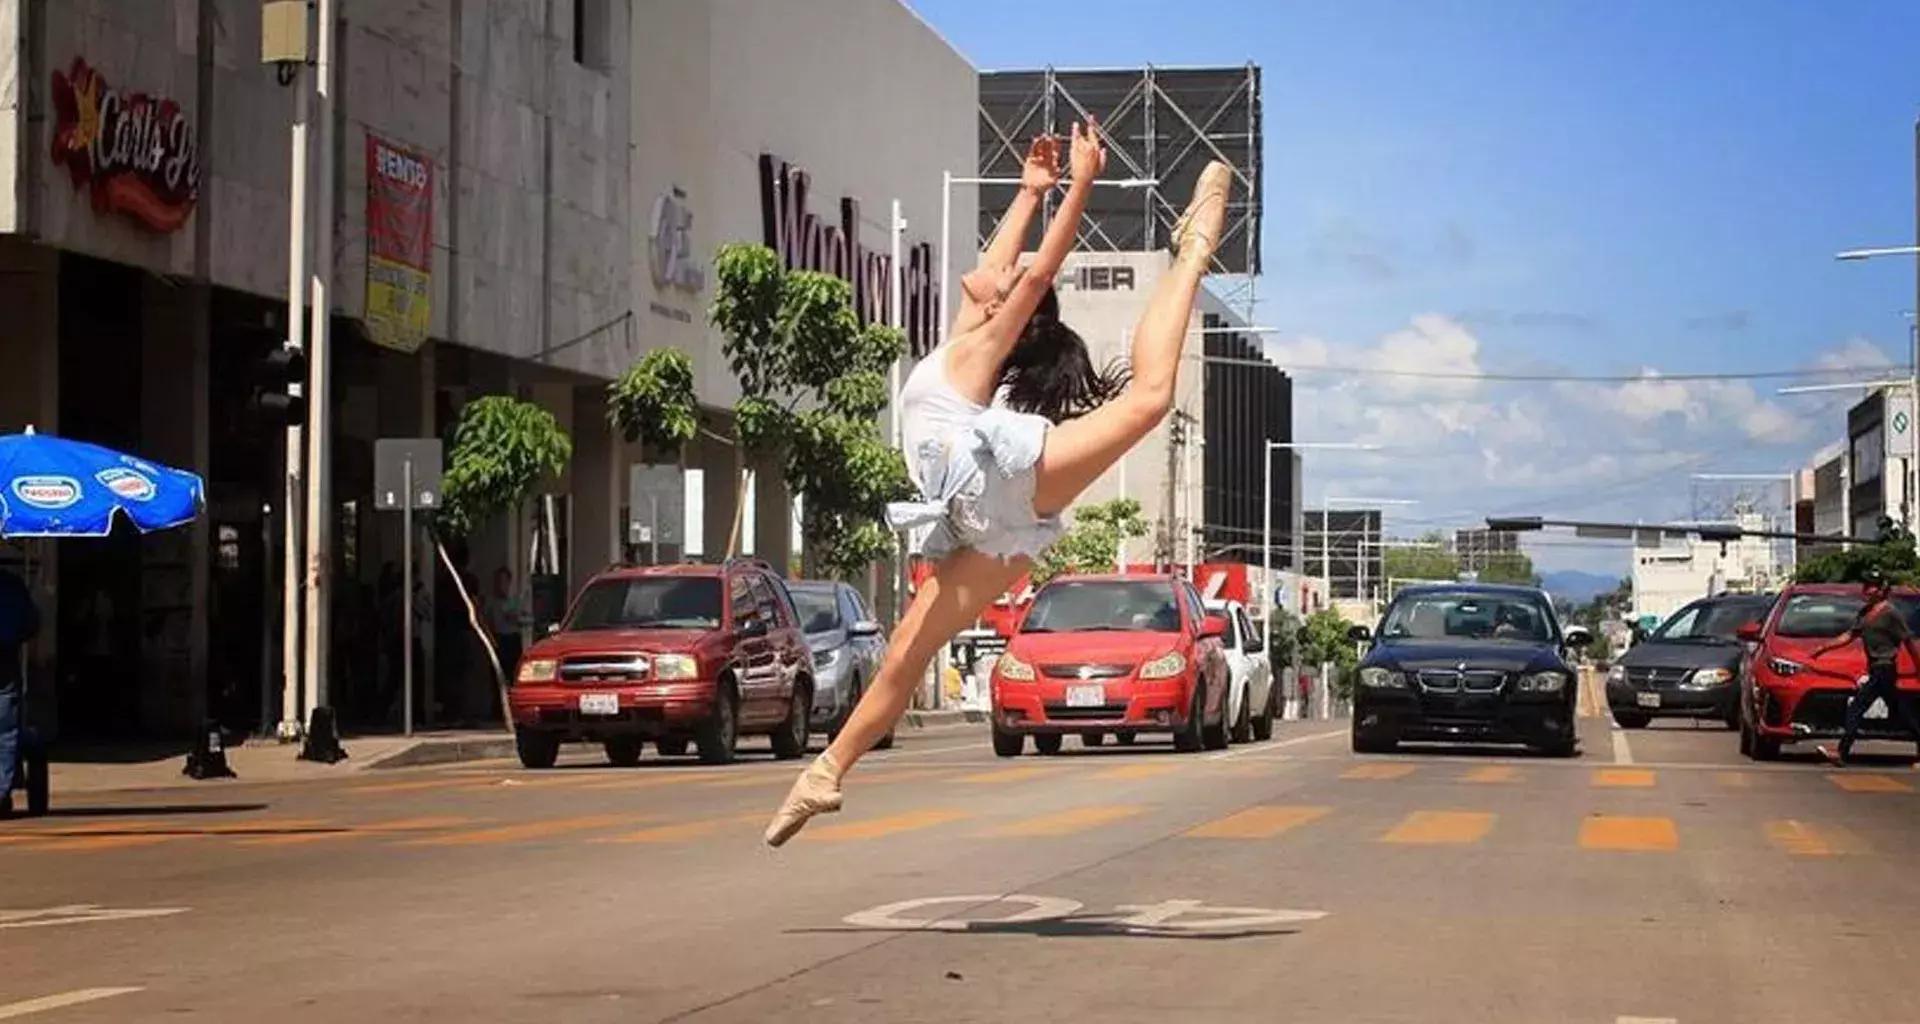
[278, 381]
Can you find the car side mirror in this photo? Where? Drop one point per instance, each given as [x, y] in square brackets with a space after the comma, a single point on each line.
[1749, 632]
[1578, 636]
[1255, 645]
[866, 627]
[753, 628]
[1359, 634]
[1213, 626]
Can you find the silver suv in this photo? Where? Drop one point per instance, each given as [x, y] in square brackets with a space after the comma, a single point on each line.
[847, 643]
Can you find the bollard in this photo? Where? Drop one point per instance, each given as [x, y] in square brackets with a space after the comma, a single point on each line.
[208, 759]
[323, 739]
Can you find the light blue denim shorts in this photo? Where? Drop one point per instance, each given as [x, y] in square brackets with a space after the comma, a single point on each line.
[977, 484]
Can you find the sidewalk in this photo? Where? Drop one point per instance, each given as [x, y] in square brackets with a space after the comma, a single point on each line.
[264, 760]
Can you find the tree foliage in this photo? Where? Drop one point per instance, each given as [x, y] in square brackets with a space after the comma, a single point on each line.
[1092, 542]
[1421, 563]
[1892, 553]
[1511, 567]
[653, 402]
[502, 448]
[1324, 640]
[813, 383]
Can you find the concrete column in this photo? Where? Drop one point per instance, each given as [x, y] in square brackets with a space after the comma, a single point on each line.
[174, 563]
[596, 498]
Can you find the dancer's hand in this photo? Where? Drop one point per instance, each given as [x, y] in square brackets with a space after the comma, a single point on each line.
[1089, 156]
[1042, 169]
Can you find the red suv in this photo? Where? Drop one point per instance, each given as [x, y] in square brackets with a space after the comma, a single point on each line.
[1788, 695]
[1112, 654]
[673, 654]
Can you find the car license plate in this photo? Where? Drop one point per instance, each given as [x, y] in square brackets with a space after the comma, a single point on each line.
[1086, 696]
[599, 703]
[1648, 700]
[1878, 709]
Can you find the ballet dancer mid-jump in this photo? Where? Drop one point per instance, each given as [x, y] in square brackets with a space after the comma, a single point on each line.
[1005, 424]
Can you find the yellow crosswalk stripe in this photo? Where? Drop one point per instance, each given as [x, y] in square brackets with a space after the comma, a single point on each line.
[683, 831]
[1494, 773]
[875, 828]
[646, 780]
[1441, 828]
[420, 785]
[1378, 772]
[1629, 778]
[1734, 780]
[1869, 783]
[400, 825]
[1617, 832]
[760, 778]
[1066, 823]
[1139, 771]
[1263, 822]
[108, 836]
[526, 831]
[1803, 840]
[1001, 776]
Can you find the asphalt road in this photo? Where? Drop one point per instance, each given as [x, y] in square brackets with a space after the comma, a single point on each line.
[1657, 877]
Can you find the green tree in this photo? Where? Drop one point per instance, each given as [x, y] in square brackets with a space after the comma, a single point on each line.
[1324, 640]
[1421, 563]
[812, 385]
[1092, 543]
[1511, 567]
[502, 448]
[1892, 553]
[653, 403]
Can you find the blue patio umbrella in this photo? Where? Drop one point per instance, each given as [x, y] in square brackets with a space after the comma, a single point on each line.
[55, 487]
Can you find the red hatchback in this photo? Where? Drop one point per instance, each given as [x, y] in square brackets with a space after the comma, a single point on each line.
[673, 654]
[1112, 654]
[1788, 695]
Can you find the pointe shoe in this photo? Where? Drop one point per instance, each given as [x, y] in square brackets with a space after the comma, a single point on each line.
[1197, 233]
[816, 791]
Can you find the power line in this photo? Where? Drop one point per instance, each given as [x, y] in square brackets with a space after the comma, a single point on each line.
[1563, 378]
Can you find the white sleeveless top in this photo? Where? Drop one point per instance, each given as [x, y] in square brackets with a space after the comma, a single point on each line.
[931, 408]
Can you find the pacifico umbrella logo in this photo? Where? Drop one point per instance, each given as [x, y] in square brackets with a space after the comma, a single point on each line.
[127, 483]
[47, 491]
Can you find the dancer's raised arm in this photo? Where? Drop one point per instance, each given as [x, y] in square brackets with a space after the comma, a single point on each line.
[977, 357]
[1040, 173]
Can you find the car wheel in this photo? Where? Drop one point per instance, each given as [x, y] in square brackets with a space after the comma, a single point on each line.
[1631, 719]
[1365, 742]
[1243, 726]
[886, 742]
[1093, 739]
[1008, 744]
[720, 733]
[1567, 744]
[536, 749]
[1765, 748]
[846, 712]
[790, 737]
[1188, 739]
[672, 746]
[1263, 722]
[1746, 737]
[624, 751]
[1047, 744]
[1733, 717]
[1125, 739]
[1216, 737]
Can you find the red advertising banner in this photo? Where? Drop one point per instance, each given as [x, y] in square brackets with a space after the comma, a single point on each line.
[399, 245]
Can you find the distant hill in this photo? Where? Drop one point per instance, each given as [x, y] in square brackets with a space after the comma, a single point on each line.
[1577, 587]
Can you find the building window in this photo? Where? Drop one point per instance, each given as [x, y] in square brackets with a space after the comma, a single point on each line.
[591, 30]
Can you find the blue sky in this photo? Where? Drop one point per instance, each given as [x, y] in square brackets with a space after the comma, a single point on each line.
[1618, 187]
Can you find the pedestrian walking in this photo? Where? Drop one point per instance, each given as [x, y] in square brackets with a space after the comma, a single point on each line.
[1005, 424]
[1882, 629]
[19, 622]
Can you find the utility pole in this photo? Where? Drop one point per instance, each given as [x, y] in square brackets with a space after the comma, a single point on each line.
[319, 551]
[293, 495]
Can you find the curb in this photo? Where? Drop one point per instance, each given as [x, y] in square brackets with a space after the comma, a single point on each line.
[428, 752]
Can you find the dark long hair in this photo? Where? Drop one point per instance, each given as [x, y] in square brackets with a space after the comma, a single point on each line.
[1050, 373]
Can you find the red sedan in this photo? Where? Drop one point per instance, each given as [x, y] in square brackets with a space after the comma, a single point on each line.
[1788, 695]
[1112, 654]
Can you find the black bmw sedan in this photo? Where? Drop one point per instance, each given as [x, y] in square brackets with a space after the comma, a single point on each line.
[1468, 662]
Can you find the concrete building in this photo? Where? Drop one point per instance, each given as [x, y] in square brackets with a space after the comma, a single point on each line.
[1667, 577]
[577, 160]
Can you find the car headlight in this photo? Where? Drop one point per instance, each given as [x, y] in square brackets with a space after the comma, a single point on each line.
[675, 666]
[821, 659]
[1165, 666]
[539, 670]
[1705, 677]
[1617, 674]
[1014, 669]
[1382, 679]
[1783, 667]
[1542, 682]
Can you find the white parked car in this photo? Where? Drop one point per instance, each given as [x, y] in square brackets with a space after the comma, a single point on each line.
[1252, 701]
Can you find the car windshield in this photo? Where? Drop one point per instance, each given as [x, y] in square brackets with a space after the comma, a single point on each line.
[819, 612]
[657, 602]
[1715, 621]
[1079, 606]
[1467, 615]
[1828, 615]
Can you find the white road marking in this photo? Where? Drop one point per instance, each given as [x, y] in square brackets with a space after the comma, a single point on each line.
[1171, 913]
[1646, 1020]
[1278, 744]
[1145, 919]
[83, 913]
[1622, 754]
[85, 995]
[887, 916]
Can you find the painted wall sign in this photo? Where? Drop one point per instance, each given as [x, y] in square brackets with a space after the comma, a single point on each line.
[138, 155]
[670, 244]
[1096, 279]
[399, 245]
[805, 242]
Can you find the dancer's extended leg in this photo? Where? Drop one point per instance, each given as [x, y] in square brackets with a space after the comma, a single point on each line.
[1078, 451]
[952, 598]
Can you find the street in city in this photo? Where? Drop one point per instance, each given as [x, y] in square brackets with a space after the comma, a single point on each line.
[1289, 880]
